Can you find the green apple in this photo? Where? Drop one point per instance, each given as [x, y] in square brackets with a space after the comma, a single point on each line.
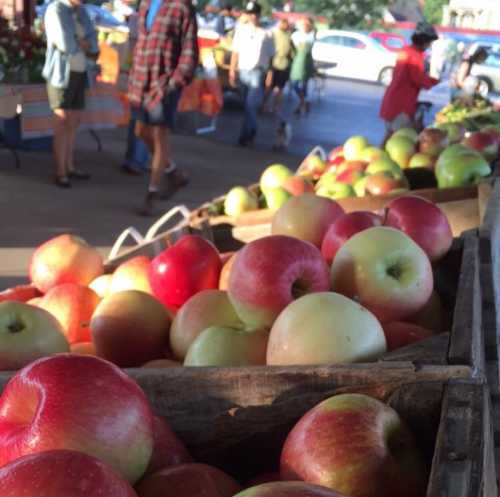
[360, 187]
[239, 200]
[369, 154]
[408, 133]
[461, 170]
[276, 197]
[385, 166]
[400, 149]
[28, 333]
[274, 176]
[338, 330]
[455, 131]
[327, 179]
[354, 146]
[203, 310]
[224, 346]
[385, 271]
[454, 151]
[421, 160]
[336, 190]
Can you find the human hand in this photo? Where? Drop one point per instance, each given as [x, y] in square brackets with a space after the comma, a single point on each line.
[232, 78]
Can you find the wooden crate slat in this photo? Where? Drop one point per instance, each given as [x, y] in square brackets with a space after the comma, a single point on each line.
[462, 455]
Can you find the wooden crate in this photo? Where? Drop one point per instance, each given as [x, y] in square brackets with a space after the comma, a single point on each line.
[489, 275]
[238, 419]
[464, 207]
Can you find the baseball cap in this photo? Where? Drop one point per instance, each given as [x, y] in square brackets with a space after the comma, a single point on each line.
[425, 30]
[253, 7]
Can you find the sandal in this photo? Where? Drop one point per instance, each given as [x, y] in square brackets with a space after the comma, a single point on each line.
[79, 174]
[62, 182]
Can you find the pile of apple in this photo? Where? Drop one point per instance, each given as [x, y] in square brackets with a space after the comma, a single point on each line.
[359, 169]
[77, 426]
[326, 287]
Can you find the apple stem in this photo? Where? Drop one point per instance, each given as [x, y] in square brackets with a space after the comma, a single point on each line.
[15, 327]
[394, 272]
[299, 289]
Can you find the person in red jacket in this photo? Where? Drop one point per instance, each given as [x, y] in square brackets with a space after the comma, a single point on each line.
[399, 104]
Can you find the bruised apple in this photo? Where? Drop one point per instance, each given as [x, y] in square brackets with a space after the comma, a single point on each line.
[399, 334]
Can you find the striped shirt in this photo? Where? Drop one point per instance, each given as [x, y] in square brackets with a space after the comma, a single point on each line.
[166, 56]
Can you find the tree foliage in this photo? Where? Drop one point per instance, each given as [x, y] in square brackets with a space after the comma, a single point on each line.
[433, 10]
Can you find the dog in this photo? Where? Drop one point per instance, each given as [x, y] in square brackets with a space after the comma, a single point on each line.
[283, 136]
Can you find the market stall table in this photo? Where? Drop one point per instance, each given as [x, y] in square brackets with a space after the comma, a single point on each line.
[103, 110]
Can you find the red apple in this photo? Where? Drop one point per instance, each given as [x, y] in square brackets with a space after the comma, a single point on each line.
[349, 177]
[352, 165]
[132, 275]
[27, 333]
[191, 265]
[204, 310]
[356, 445]
[20, 293]
[399, 334]
[188, 480]
[288, 489]
[270, 272]
[432, 141]
[383, 183]
[297, 185]
[343, 228]
[168, 450]
[336, 155]
[80, 403]
[493, 131]
[64, 259]
[307, 218]
[385, 271]
[73, 306]
[130, 328]
[485, 143]
[324, 328]
[424, 222]
[61, 473]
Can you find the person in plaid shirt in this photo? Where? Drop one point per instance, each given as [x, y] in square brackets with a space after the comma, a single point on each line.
[165, 59]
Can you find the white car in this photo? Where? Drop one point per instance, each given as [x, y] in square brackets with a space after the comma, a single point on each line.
[354, 55]
[488, 72]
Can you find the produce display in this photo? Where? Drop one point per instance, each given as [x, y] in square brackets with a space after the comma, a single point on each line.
[358, 169]
[95, 433]
[363, 282]
[472, 112]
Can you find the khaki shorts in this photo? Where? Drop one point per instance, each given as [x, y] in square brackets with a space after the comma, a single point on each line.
[72, 97]
[400, 121]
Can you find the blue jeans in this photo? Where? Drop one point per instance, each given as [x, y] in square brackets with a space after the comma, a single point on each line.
[137, 154]
[253, 89]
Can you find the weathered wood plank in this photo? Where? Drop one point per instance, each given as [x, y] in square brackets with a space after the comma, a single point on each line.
[461, 455]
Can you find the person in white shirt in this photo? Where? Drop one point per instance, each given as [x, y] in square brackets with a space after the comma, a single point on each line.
[252, 51]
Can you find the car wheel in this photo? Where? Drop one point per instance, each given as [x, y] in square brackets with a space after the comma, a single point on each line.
[385, 76]
[485, 87]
